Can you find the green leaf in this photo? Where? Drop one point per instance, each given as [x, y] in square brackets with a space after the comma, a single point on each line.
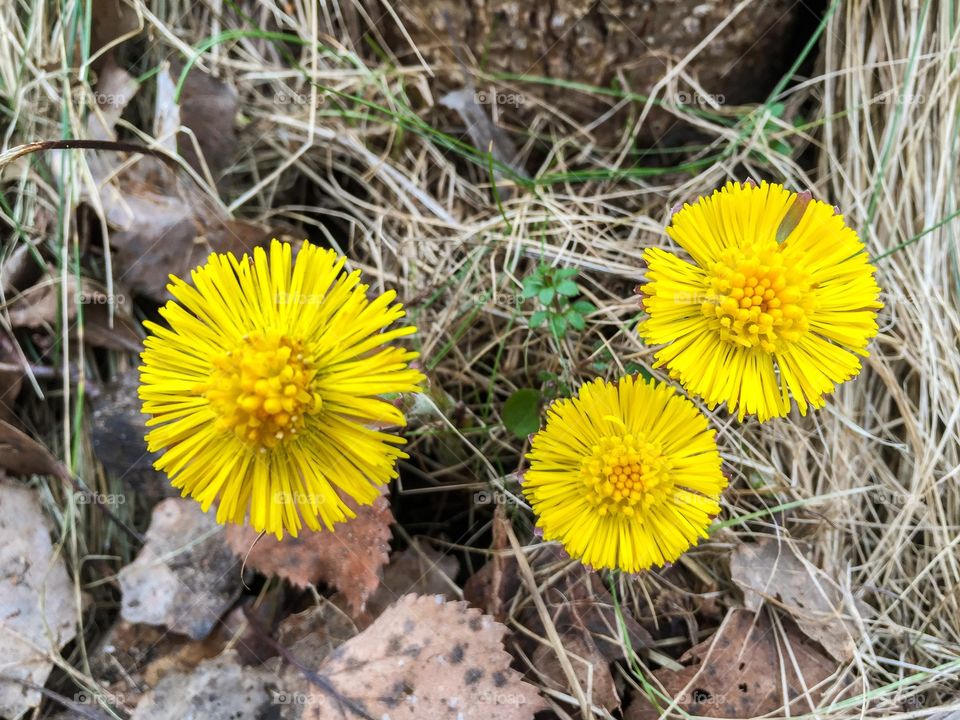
[632, 368]
[532, 283]
[565, 273]
[558, 324]
[576, 320]
[529, 291]
[568, 288]
[538, 318]
[546, 295]
[521, 412]
[584, 307]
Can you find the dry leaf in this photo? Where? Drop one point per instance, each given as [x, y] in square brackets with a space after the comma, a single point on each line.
[132, 657]
[350, 557]
[309, 636]
[184, 576]
[418, 569]
[20, 268]
[425, 658]
[32, 577]
[591, 667]
[118, 428]
[217, 689]
[208, 109]
[736, 673]
[162, 222]
[20, 454]
[40, 306]
[772, 570]
[11, 378]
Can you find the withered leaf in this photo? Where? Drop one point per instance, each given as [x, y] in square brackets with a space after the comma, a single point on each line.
[37, 609]
[162, 222]
[419, 569]
[184, 576]
[425, 658]
[736, 673]
[40, 306]
[20, 454]
[591, 667]
[349, 558]
[208, 107]
[772, 570]
[11, 378]
[118, 428]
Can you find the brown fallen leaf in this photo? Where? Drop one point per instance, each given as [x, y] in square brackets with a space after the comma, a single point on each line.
[425, 658]
[350, 558]
[37, 608]
[419, 569]
[20, 268]
[40, 306]
[132, 657]
[161, 221]
[772, 570]
[185, 576]
[591, 667]
[736, 673]
[118, 428]
[20, 454]
[208, 109]
[309, 636]
[11, 378]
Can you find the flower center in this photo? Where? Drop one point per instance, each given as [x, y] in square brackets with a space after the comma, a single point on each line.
[626, 475]
[758, 300]
[261, 390]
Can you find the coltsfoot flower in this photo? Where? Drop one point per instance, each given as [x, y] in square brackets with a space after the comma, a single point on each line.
[777, 300]
[625, 475]
[265, 386]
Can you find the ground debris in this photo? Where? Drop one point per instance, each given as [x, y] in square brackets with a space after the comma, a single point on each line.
[185, 576]
[217, 689]
[774, 571]
[38, 612]
[739, 672]
[425, 658]
[350, 557]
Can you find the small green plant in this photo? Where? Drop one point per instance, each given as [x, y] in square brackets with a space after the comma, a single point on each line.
[557, 293]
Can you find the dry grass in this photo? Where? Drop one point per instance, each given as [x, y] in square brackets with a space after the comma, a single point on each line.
[870, 484]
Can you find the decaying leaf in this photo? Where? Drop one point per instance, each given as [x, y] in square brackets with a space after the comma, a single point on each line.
[184, 576]
[20, 454]
[208, 108]
[740, 672]
[40, 306]
[309, 636]
[419, 569]
[132, 657]
[11, 378]
[350, 557]
[772, 570]
[425, 658]
[162, 222]
[118, 428]
[37, 610]
[591, 667]
[217, 689]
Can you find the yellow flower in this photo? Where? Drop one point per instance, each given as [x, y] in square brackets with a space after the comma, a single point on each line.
[776, 300]
[264, 388]
[625, 475]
